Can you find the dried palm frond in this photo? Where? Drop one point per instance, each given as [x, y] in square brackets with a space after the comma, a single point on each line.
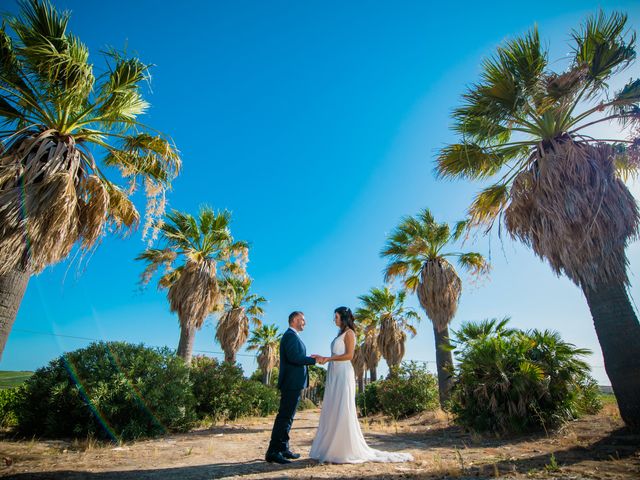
[159, 258]
[391, 341]
[358, 362]
[39, 202]
[194, 293]
[573, 210]
[93, 211]
[232, 331]
[439, 292]
[122, 211]
[370, 349]
[268, 358]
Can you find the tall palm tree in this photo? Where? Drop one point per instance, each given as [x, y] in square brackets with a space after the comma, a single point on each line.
[370, 351]
[241, 307]
[197, 253]
[266, 340]
[58, 119]
[358, 361]
[395, 321]
[417, 255]
[558, 189]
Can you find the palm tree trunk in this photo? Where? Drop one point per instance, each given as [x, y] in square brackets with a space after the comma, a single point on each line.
[360, 383]
[618, 332]
[185, 346]
[265, 377]
[373, 374]
[444, 363]
[230, 357]
[12, 288]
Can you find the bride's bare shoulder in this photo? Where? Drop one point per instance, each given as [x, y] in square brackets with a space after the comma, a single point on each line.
[350, 333]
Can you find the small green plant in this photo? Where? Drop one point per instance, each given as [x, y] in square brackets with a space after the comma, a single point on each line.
[552, 466]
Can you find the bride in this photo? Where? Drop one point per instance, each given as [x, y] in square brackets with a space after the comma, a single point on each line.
[339, 438]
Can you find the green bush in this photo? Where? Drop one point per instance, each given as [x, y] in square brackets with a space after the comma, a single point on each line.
[588, 397]
[412, 389]
[512, 381]
[8, 405]
[368, 402]
[113, 390]
[306, 404]
[273, 380]
[221, 392]
[317, 380]
[257, 399]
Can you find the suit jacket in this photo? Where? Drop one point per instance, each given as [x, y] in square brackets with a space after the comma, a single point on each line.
[293, 373]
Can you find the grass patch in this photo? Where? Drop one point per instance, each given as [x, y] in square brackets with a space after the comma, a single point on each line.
[608, 399]
[10, 378]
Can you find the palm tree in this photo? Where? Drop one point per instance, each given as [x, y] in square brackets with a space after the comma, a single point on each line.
[395, 321]
[197, 253]
[558, 189]
[370, 350]
[59, 118]
[416, 252]
[266, 340]
[241, 306]
[358, 361]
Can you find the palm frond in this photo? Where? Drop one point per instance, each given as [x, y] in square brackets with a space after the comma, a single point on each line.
[469, 160]
[601, 43]
[474, 263]
[488, 204]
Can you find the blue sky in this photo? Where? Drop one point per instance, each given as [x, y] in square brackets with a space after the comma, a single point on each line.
[316, 124]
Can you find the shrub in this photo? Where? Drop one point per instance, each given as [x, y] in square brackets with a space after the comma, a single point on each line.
[112, 390]
[368, 402]
[8, 406]
[221, 392]
[306, 404]
[588, 397]
[511, 381]
[317, 380]
[257, 399]
[273, 380]
[412, 389]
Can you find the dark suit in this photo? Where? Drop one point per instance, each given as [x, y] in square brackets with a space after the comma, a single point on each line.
[292, 378]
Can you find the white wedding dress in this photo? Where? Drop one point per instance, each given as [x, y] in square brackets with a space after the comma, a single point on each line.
[339, 438]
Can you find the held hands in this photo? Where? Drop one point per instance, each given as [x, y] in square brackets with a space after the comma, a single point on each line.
[320, 359]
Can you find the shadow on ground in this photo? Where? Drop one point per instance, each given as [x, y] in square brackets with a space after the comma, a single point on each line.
[619, 445]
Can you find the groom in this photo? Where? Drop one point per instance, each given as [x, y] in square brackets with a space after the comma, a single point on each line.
[292, 379]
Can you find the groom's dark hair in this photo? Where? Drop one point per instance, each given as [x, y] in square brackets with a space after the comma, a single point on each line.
[293, 315]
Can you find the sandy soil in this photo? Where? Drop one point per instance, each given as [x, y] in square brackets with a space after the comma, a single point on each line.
[594, 447]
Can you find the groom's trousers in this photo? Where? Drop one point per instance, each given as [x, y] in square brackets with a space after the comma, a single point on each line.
[280, 434]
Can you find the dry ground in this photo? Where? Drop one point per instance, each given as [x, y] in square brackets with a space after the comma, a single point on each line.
[595, 447]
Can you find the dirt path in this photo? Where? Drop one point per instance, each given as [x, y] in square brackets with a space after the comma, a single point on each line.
[595, 447]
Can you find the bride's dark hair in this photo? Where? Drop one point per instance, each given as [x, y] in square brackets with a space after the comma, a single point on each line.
[346, 317]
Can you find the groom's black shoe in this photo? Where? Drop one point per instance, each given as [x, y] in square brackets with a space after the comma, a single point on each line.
[276, 457]
[289, 454]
